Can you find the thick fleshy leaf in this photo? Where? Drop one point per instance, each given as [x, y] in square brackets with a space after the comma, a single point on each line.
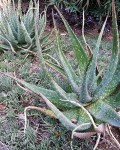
[14, 22]
[42, 24]
[92, 70]
[28, 39]
[62, 93]
[20, 37]
[11, 36]
[78, 116]
[2, 47]
[104, 112]
[108, 77]
[19, 8]
[73, 79]
[28, 17]
[39, 48]
[45, 38]
[62, 118]
[113, 101]
[84, 94]
[50, 94]
[59, 90]
[37, 13]
[8, 43]
[114, 83]
[55, 67]
[79, 51]
[13, 28]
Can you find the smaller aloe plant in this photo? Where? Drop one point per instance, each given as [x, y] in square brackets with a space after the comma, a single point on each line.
[17, 29]
[90, 107]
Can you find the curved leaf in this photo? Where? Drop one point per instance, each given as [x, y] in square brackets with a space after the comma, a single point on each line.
[102, 111]
[73, 79]
[108, 77]
[79, 51]
[78, 116]
[113, 101]
[28, 39]
[55, 67]
[92, 70]
[50, 94]
[114, 83]
[84, 93]
[62, 118]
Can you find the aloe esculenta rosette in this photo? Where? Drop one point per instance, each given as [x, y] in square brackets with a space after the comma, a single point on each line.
[92, 104]
[17, 28]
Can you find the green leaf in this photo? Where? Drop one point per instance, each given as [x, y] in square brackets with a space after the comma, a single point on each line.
[14, 30]
[28, 39]
[79, 51]
[42, 24]
[108, 77]
[102, 111]
[59, 90]
[19, 9]
[50, 94]
[62, 118]
[92, 70]
[84, 94]
[28, 18]
[3, 46]
[73, 79]
[45, 38]
[78, 116]
[11, 36]
[8, 43]
[113, 101]
[39, 49]
[114, 83]
[21, 37]
[55, 67]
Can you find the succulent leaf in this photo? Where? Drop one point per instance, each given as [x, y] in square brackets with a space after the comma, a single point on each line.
[50, 94]
[82, 106]
[102, 111]
[92, 70]
[113, 101]
[27, 36]
[2, 46]
[18, 28]
[42, 25]
[55, 67]
[99, 92]
[62, 118]
[73, 79]
[114, 83]
[84, 94]
[78, 116]
[79, 51]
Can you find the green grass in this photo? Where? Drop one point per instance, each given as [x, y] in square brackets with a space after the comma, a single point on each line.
[43, 133]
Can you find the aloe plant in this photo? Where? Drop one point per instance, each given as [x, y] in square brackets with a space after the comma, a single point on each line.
[17, 29]
[92, 104]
